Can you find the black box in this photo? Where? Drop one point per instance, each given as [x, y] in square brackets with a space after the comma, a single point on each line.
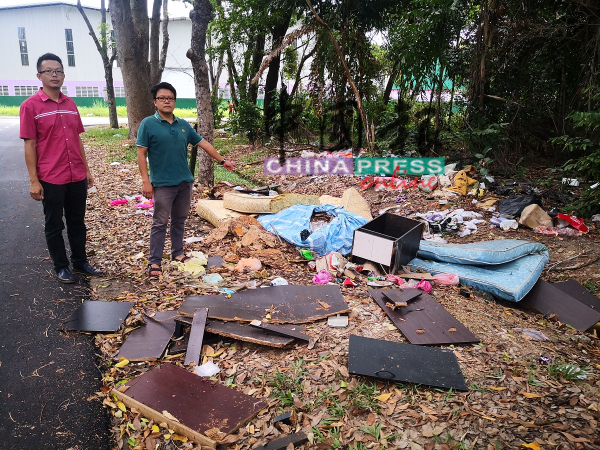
[389, 240]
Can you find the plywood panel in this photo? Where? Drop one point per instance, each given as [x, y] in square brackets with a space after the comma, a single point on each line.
[149, 341]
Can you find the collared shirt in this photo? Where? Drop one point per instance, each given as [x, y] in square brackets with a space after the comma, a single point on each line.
[55, 126]
[167, 145]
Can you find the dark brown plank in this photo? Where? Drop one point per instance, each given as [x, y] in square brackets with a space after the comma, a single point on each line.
[284, 331]
[282, 443]
[98, 317]
[401, 296]
[285, 304]
[215, 261]
[149, 341]
[579, 293]
[425, 313]
[547, 299]
[194, 348]
[398, 362]
[196, 402]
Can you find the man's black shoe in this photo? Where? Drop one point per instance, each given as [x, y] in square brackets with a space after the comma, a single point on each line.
[88, 269]
[65, 275]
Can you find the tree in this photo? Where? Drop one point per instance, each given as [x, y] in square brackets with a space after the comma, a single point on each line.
[201, 16]
[102, 45]
[133, 39]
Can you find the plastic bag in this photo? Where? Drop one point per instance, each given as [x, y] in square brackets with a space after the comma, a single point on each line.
[446, 279]
[514, 205]
[558, 231]
[323, 277]
[121, 201]
[248, 265]
[394, 279]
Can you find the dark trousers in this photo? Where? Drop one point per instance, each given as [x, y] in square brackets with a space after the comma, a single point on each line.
[69, 199]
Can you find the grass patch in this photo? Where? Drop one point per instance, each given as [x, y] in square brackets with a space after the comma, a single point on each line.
[118, 147]
[286, 385]
[222, 174]
[9, 110]
[99, 110]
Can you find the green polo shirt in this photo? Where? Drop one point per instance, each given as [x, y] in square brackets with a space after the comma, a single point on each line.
[167, 145]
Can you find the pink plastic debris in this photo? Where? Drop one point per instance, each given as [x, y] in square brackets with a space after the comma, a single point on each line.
[120, 201]
[323, 277]
[447, 279]
[395, 279]
[349, 282]
[425, 285]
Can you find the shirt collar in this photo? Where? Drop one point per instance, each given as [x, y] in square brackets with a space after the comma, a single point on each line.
[160, 119]
[44, 97]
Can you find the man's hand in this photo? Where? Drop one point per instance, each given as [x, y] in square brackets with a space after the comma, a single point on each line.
[147, 189]
[90, 179]
[229, 165]
[36, 190]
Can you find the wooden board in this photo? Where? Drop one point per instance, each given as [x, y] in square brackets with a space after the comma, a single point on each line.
[243, 332]
[425, 313]
[149, 341]
[393, 361]
[401, 296]
[547, 299]
[216, 261]
[416, 276]
[98, 317]
[579, 293]
[200, 405]
[194, 348]
[281, 330]
[285, 304]
[282, 443]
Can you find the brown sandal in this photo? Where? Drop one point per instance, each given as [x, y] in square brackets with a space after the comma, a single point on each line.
[182, 260]
[154, 272]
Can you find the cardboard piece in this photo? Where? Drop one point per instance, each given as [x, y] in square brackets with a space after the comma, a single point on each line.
[416, 276]
[296, 439]
[285, 304]
[389, 240]
[149, 341]
[393, 361]
[206, 411]
[98, 317]
[548, 299]
[425, 322]
[194, 348]
[281, 330]
[534, 216]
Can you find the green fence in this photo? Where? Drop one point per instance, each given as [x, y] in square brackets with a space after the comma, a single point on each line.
[12, 100]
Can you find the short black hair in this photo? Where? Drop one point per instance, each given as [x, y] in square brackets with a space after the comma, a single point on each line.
[47, 57]
[163, 85]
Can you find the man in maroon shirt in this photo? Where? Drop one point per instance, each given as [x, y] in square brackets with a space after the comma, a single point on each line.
[58, 171]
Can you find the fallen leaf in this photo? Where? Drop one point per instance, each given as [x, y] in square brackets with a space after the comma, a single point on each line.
[122, 406]
[420, 331]
[452, 330]
[493, 388]
[155, 429]
[572, 438]
[384, 397]
[168, 415]
[530, 394]
[122, 363]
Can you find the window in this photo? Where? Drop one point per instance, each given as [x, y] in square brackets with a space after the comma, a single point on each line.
[64, 90]
[70, 47]
[23, 46]
[26, 90]
[86, 91]
[3, 90]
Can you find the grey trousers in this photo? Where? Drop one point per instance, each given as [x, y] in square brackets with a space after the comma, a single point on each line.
[174, 202]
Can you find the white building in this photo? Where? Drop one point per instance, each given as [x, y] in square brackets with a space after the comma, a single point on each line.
[27, 32]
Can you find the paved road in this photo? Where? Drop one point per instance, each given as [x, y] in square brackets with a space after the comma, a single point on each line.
[47, 377]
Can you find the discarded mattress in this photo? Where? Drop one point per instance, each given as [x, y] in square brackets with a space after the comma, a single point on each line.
[337, 236]
[505, 268]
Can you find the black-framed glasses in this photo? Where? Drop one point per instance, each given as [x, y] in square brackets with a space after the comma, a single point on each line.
[164, 99]
[60, 73]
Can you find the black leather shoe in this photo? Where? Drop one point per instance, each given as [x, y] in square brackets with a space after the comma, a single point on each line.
[65, 275]
[88, 269]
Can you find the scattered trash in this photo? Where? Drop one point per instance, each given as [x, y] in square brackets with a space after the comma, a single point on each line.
[534, 216]
[279, 282]
[294, 332]
[191, 240]
[446, 279]
[504, 224]
[463, 181]
[558, 231]
[545, 360]
[596, 218]
[213, 278]
[349, 283]
[574, 182]
[533, 334]
[93, 190]
[323, 277]
[573, 221]
[304, 234]
[246, 265]
[207, 369]
[513, 206]
[428, 183]
[121, 201]
[337, 321]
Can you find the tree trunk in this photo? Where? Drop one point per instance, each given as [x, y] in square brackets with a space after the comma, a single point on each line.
[232, 78]
[257, 56]
[130, 22]
[201, 17]
[102, 47]
[305, 58]
[278, 34]
[436, 129]
[390, 84]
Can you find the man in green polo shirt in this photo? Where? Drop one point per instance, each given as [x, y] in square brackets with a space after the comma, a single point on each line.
[164, 139]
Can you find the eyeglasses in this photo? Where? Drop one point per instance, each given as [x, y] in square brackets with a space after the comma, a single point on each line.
[59, 73]
[164, 99]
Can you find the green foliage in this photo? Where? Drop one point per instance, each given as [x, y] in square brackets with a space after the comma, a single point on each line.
[363, 396]
[118, 148]
[218, 110]
[569, 371]
[247, 120]
[290, 63]
[591, 285]
[286, 385]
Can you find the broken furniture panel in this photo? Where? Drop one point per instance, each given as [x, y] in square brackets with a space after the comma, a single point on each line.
[296, 439]
[245, 332]
[217, 261]
[401, 295]
[205, 411]
[548, 299]
[424, 321]
[194, 348]
[285, 304]
[98, 317]
[149, 341]
[579, 293]
[281, 330]
[393, 361]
